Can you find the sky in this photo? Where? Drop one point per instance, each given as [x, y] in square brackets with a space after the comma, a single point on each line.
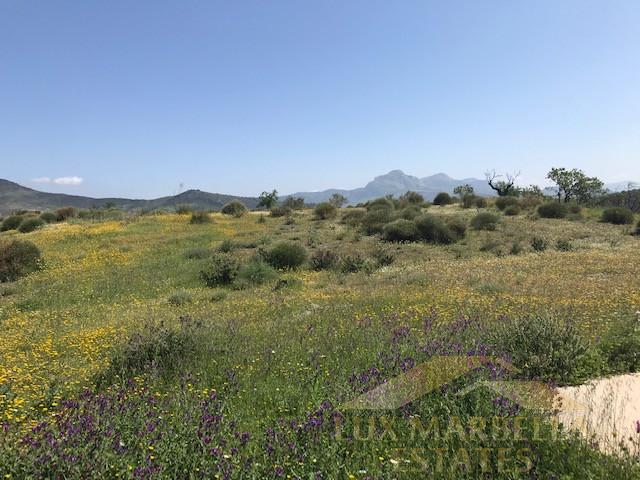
[147, 98]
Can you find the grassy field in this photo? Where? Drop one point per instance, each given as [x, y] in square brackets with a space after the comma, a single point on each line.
[117, 361]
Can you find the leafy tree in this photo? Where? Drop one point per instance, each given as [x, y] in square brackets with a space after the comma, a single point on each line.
[268, 200]
[443, 198]
[463, 191]
[411, 198]
[337, 200]
[504, 187]
[575, 185]
[294, 203]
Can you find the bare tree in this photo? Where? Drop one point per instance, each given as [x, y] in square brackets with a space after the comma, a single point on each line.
[503, 187]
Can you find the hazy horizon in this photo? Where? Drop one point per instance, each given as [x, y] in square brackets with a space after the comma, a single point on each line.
[134, 100]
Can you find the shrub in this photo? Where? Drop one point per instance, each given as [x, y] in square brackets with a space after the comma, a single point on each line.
[575, 209]
[227, 245]
[638, 229]
[325, 211]
[617, 216]
[18, 258]
[502, 203]
[381, 203]
[280, 211]
[221, 269]
[469, 201]
[621, 348]
[30, 224]
[180, 298]
[443, 198]
[12, 222]
[256, 272]
[200, 218]
[516, 248]
[286, 255]
[411, 198]
[457, 226]
[353, 217]
[48, 217]
[400, 230]
[544, 348]
[484, 221]
[156, 348]
[383, 256]
[323, 259]
[198, 253]
[410, 212]
[552, 210]
[563, 245]
[539, 244]
[481, 202]
[65, 213]
[512, 210]
[352, 263]
[433, 230]
[235, 208]
[374, 220]
[183, 209]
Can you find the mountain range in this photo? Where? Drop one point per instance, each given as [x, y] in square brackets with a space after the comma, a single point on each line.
[396, 182]
[16, 197]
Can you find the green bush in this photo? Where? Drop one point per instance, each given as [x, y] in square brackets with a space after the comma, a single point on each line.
[512, 210]
[539, 244]
[198, 253]
[481, 202]
[433, 230]
[575, 209]
[410, 212]
[65, 213]
[545, 348]
[383, 203]
[280, 211]
[469, 201]
[200, 218]
[227, 245]
[353, 263]
[221, 269]
[256, 272]
[553, 210]
[563, 245]
[617, 216]
[323, 259]
[443, 198]
[502, 203]
[400, 230]
[353, 217]
[325, 211]
[12, 222]
[235, 208]
[18, 258]
[484, 221]
[48, 217]
[155, 349]
[286, 255]
[621, 348]
[383, 256]
[374, 220]
[181, 297]
[183, 209]
[458, 226]
[30, 224]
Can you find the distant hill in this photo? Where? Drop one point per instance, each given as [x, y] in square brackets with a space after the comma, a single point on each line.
[396, 182]
[16, 197]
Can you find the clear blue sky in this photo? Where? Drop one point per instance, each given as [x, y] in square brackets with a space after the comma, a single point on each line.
[138, 97]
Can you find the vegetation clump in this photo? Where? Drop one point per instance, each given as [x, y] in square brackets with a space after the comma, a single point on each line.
[325, 211]
[323, 259]
[30, 224]
[256, 272]
[234, 208]
[220, 269]
[65, 213]
[431, 229]
[617, 216]
[48, 217]
[18, 258]
[374, 220]
[286, 255]
[400, 230]
[512, 210]
[279, 211]
[502, 203]
[200, 217]
[484, 221]
[442, 199]
[12, 222]
[553, 210]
